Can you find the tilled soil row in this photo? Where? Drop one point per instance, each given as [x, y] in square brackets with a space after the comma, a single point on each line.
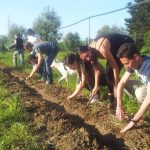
[69, 125]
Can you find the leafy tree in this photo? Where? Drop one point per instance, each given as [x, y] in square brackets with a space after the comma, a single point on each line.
[47, 25]
[146, 45]
[106, 29]
[3, 41]
[15, 29]
[139, 23]
[72, 41]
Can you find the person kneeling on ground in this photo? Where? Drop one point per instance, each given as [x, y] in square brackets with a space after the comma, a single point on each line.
[32, 59]
[85, 73]
[130, 57]
[50, 49]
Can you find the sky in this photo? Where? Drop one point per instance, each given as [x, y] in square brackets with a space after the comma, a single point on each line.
[25, 12]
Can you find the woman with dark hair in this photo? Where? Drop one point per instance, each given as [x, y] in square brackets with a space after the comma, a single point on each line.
[105, 47]
[85, 73]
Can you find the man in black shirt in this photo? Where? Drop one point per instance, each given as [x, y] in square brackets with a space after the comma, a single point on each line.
[19, 50]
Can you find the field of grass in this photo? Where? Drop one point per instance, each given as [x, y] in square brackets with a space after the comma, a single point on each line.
[129, 105]
[11, 120]
[14, 132]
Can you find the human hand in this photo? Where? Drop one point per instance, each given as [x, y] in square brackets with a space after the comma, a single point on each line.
[129, 126]
[119, 113]
[70, 97]
[28, 77]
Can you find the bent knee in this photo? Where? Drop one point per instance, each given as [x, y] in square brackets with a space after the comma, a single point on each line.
[140, 93]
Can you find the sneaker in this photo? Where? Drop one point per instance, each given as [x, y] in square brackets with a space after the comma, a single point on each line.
[48, 82]
[94, 99]
[43, 79]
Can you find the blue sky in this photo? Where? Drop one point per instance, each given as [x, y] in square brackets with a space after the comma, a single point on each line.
[24, 12]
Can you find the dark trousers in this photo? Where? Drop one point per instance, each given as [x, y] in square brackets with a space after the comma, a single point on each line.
[48, 61]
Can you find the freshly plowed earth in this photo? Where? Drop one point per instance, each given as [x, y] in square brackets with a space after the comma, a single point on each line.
[70, 125]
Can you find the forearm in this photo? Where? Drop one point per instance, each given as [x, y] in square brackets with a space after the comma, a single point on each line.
[120, 88]
[144, 107]
[116, 76]
[96, 75]
[77, 90]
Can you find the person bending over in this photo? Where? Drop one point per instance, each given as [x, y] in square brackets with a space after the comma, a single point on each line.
[32, 59]
[47, 48]
[105, 47]
[85, 74]
[130, 57]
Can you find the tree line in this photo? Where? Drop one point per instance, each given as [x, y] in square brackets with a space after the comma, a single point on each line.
[47, 24]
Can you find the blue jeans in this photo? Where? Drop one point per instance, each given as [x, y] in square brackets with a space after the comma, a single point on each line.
[16, 53]
[48, 61]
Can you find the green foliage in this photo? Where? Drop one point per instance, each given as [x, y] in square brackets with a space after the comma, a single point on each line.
[17, 137]
[145, 49]
[138, 24]
[71, 41]
[3, 42]
[15, 29]
[106, 29]
[14, 133]
[47, 25]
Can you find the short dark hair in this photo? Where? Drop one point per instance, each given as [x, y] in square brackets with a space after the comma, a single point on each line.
[31, 57]
[70, 58]
[28, 45]
[82, 49]
[127, 50]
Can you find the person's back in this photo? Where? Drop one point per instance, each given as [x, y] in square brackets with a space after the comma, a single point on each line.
[19, 43]
[115, 39]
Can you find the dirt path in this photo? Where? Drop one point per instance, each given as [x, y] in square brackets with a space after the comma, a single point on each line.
[67, 125]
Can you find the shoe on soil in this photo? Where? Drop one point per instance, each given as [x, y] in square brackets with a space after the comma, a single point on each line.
[48, 82]
[95, 98]
[43, 79]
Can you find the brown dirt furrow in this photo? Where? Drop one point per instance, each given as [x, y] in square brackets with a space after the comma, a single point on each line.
[69, 125]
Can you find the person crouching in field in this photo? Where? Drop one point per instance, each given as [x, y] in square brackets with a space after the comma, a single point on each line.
[130, 57]
[47, 48]
[32, 59]
[106, 47]
[85, 73]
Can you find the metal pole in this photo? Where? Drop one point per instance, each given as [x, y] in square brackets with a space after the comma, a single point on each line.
[89, 30]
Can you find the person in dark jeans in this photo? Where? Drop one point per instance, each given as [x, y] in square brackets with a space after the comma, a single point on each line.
[19, 50]
[50, 49]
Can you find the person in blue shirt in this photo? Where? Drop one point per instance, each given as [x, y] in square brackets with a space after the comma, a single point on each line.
[47, 48]
[32, 59]
[130, 57]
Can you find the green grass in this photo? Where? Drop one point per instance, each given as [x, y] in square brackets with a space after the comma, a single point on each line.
[129, 105]
[14, 132]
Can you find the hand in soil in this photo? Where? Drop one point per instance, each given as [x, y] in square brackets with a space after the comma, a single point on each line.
[27, 77]
[119, 113]
[129, 126]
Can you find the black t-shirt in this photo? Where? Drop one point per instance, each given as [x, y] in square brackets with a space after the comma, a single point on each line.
[19, 43]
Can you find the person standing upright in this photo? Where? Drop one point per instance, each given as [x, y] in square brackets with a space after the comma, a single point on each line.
[19, 50]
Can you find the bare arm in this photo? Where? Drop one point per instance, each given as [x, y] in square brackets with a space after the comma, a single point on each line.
[79, 87]
[104, 50]
[35, 69]
[97, 76]
[144, 107]
[120, 87]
